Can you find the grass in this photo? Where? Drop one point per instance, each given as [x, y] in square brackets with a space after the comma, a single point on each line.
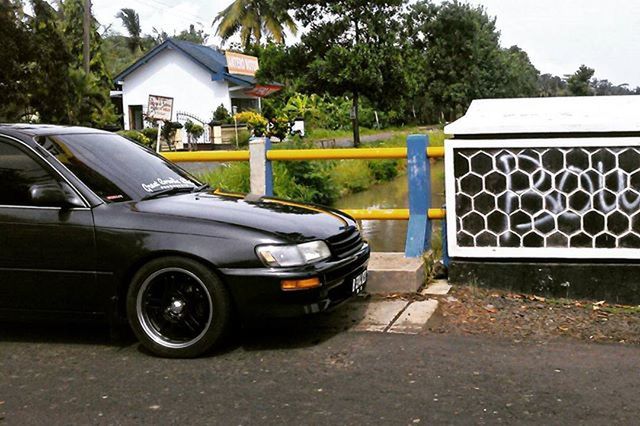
[315, 135]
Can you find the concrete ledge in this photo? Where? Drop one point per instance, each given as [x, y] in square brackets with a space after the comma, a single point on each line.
[613, 282]
[394, 273]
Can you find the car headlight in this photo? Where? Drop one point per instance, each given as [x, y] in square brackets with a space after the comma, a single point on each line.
[293, 255]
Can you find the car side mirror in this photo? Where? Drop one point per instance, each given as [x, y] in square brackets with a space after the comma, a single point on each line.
[51, 195]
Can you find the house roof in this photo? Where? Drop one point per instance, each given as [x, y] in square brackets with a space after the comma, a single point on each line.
[209, 58]
[588, 114]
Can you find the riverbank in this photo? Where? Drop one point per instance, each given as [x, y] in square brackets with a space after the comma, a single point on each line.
[322, 182]
[390, 235]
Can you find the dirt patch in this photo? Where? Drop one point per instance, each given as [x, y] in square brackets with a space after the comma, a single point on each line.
[472, 310]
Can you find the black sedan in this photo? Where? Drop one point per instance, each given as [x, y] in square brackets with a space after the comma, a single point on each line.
[93, 225]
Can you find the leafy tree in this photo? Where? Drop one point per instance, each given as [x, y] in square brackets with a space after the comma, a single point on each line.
[193, 35]
[252, 19]
[221, 114]
[15, 62]
[551, 85]
[194, 132]
[117, 54]
[579, 82]
[353, 51]
[159, 35]
[131, 22]
[92, 105]
[303, 106]
[168, 132]
[459, 45]
[50, 89]
[518, 77]
[607, 88]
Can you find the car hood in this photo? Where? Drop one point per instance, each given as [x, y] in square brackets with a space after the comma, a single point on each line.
[288, 220]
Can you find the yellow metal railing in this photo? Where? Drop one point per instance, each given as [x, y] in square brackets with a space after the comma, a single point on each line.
[206, 156]
[301, 154]
[390, 214]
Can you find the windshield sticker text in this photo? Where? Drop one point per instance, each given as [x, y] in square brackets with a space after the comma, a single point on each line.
[160, 184]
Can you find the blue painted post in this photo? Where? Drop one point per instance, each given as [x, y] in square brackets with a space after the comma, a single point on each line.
[268, 170]
[419, 173]
[445, 250]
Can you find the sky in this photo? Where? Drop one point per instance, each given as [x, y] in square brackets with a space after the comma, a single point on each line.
[558, 35]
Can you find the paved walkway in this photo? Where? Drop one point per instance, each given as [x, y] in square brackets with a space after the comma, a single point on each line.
[347, 141]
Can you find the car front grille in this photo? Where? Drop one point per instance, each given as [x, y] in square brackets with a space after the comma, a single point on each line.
[345, 244]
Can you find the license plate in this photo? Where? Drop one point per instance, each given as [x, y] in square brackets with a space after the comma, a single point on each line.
[357, 284]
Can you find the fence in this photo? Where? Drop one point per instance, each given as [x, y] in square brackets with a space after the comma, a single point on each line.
[417, 153]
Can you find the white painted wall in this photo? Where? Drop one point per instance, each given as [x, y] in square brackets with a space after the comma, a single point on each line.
[173, 74]
[549, 115]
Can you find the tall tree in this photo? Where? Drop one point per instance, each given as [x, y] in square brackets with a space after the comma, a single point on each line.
[15, 62]
[252, 19]
[131, 22]
[51, 97]
[578, 83]
[459, 45]
[93, 106]
[516, 76]
[353, 51]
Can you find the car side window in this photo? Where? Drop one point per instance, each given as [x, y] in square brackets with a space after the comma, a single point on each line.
[18, 173]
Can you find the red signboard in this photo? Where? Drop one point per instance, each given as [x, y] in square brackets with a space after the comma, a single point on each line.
[262, 91]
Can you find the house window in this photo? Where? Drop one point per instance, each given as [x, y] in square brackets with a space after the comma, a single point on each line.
[136, 121]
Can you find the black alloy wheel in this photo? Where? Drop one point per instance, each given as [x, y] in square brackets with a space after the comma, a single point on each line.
[178, 308]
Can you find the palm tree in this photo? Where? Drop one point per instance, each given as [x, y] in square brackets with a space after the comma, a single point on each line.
[131, 21]
[252, 18]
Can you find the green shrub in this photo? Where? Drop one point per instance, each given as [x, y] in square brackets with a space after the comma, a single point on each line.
[221, 115]
[169, 129]
[383, 170]
[256, 122]
[151, 133]
[280, 127]
[285, 186]
[193, 129]
[229, 177]
[315, 175]
[352, 176]
[243, 138]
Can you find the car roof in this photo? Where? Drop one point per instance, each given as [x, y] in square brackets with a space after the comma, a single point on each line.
[32, 130]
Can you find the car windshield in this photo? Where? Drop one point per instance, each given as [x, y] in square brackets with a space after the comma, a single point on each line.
[115, 168]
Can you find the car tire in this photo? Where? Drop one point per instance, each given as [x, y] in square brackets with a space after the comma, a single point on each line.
[178, 308]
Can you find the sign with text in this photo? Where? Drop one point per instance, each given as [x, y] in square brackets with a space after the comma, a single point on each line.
[544, 198]
[241, 64]
[160, 107]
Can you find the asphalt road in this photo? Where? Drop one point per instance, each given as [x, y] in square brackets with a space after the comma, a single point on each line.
[304, 373]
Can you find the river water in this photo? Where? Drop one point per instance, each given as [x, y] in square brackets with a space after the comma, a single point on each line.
[390, 235]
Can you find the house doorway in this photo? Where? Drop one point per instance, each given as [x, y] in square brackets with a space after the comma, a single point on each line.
[136, 120]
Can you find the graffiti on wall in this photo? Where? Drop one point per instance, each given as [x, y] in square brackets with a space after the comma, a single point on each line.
[547, 197]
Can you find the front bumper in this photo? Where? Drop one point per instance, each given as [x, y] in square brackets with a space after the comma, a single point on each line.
[257, 293]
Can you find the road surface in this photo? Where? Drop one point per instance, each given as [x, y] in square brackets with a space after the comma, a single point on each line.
[303, 372]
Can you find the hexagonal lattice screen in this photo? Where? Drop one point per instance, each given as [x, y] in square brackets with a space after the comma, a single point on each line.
[544, 201]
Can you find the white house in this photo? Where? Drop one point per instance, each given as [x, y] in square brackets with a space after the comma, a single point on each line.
[196, 77]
